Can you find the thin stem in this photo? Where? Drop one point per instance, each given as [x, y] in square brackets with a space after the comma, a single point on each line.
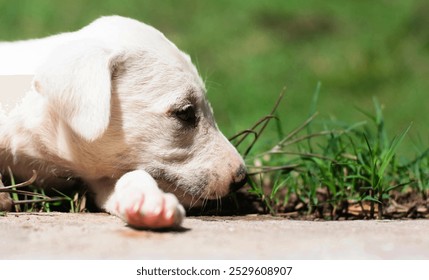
[23, 184]
[30, 201]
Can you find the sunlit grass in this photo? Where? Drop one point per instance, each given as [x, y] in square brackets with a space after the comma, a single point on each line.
[329, 168]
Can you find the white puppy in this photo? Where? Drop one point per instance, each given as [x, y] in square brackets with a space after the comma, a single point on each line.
[120, 107]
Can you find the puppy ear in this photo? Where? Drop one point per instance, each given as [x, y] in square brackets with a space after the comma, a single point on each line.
[76, 79]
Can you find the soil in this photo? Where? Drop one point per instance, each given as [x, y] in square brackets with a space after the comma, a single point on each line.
[400, 205]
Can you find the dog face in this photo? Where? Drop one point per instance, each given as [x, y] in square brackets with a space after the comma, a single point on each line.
[184, 150]
[137, 106]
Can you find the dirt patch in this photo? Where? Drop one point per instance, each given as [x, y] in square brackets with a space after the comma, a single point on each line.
[400, 205]
[408, 204]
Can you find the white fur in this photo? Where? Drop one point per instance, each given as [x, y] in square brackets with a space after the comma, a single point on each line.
[104, 107]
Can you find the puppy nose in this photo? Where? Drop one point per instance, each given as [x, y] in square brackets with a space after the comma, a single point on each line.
[239, 179]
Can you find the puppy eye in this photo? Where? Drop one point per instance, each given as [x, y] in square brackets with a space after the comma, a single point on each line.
[186, 114]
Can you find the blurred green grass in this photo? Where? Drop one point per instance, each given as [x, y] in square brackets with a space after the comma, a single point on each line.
[247, 50]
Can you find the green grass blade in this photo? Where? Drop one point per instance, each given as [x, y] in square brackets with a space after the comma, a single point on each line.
[392, 151]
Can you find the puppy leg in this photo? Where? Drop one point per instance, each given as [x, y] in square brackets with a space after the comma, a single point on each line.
[138, 201]
[5, 199]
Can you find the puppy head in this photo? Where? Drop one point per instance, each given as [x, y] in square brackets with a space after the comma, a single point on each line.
[169, 127]
[140, 108]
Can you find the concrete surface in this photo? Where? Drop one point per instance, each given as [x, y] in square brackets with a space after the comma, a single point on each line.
[101, 236]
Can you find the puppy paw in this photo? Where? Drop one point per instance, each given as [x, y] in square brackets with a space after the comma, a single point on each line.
[142, 204]
[154, 211]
